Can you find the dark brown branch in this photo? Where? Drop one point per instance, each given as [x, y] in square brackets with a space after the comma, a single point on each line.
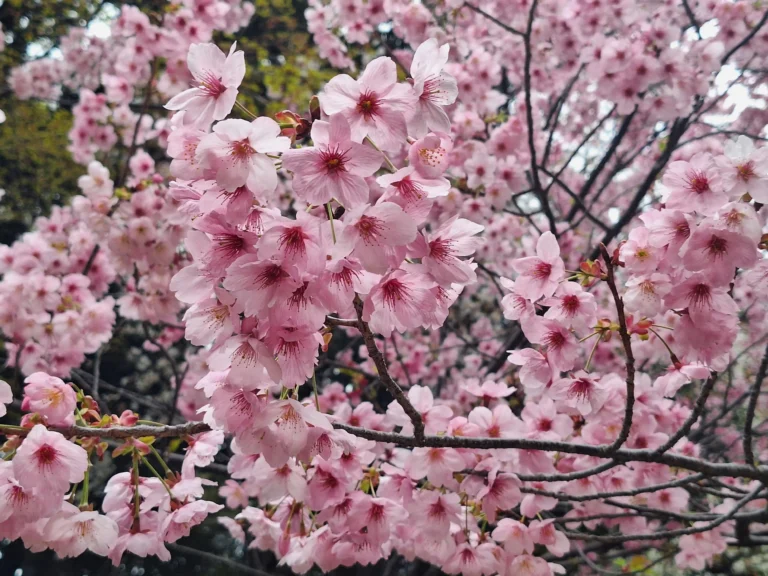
[587, 137]
[330, 321]
[601, 495]
[539, 191]
[663, 534]
[177, 431]
[493, 19]
[730, 470]
[401, 361]
[381, 367]
[749, 456]
[595, 174]
[627, 343]
[695, 414]
[745, 40]
[228, 565]
[692, 18]
[554, 116]
[134, 139]
[91, 258]
[578, 202]
[177, 376]
[678, 129]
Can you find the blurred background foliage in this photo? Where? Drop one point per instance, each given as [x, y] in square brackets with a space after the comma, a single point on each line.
[36, 169]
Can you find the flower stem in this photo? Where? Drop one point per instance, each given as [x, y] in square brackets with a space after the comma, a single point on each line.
[157, 475]
[244, 109]
[314, 389]
[591, 355]
[136, 495]
[166, 469]
[672, 355]
[84, 492]
[392, 168]
[330, 218]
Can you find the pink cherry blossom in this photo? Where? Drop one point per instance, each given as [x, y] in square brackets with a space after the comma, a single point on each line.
[375, 104]
[434, 88]
[694, 185]
[47, 461]
[335, 167]
[238, 153]
[50, 397]
[218, 78]
[540, 275]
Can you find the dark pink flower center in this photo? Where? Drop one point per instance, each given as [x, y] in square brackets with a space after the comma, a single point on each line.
[329, 482]
[368, 104]
[700, 295]
[292, 240]
[46, 455]
[299, 299]
[683, 230]
[241, 151]
[554, 340]
[271, 275]
[570, 304]
[542, 270]
[211, 85]
[229, 244]
[376, 513]
[241, 405]
[746, 171]
[409, 190]
[717, 247]
[698, 182]
[431, 89]
[394, 291]
[334, 159]
[18, 496]
[436, 510]
[369, 228]
[580, 389]
[288, 348]
[246, 355]
[441, 249]
[344, 277]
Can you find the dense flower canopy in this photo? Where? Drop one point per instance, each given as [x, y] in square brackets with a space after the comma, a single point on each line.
[496, 303]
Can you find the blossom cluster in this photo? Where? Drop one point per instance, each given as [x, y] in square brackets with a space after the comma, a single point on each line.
[56, 305]
[40, 482]
[537, 396]
[121, 64]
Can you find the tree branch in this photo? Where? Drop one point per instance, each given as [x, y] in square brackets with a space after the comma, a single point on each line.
[695, 414]
[627, 343]
[692, 18]
[493, 19]
[529, 121]
[381, 366]
[176, 431]
[746, 39]
[749, 456]
[595, 174]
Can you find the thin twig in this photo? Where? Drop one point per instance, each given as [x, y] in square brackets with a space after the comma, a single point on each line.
[495, 20]
[746, 39]
[749, 456]
[695, 414]
[692, 18]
